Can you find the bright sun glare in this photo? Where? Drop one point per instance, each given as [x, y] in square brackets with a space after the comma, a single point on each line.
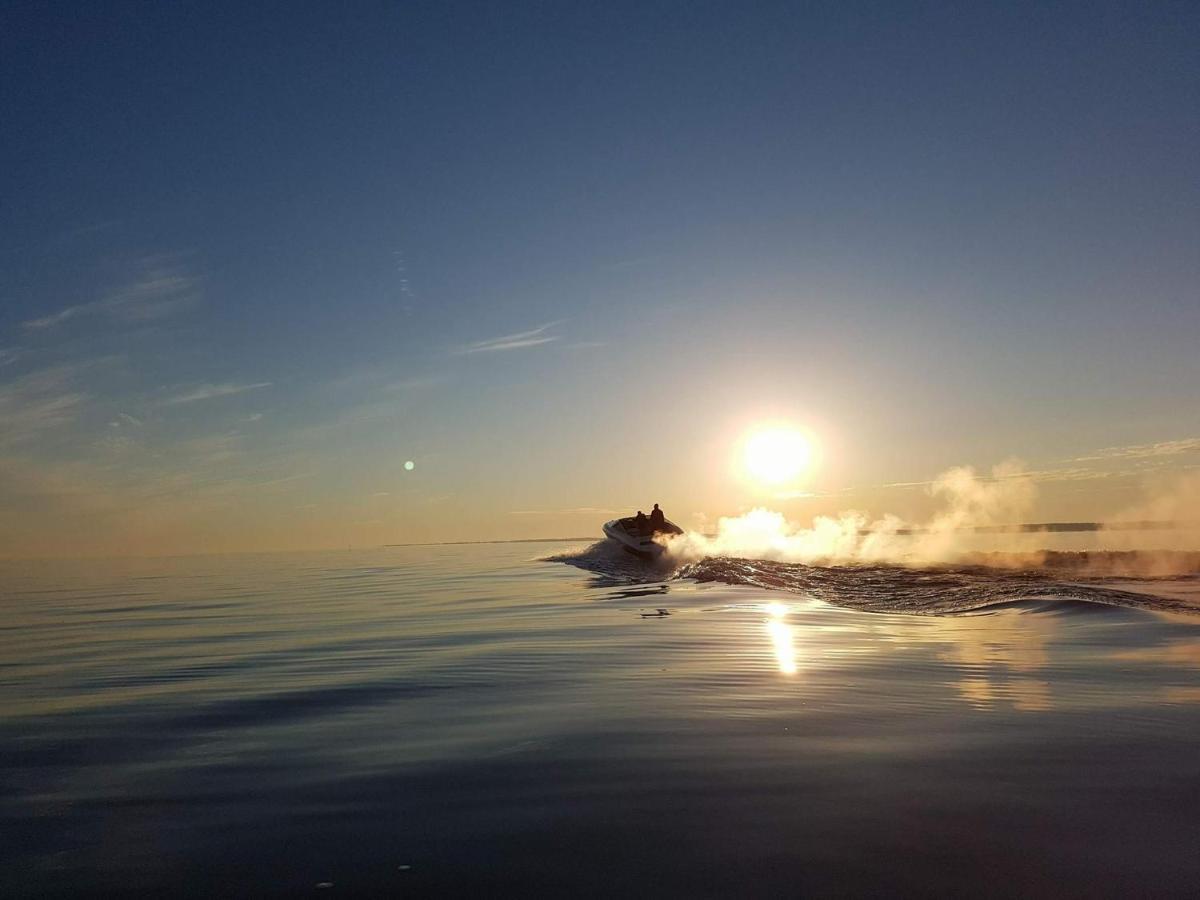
[777, 456]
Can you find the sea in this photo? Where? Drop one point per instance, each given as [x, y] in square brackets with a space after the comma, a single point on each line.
[550, 719]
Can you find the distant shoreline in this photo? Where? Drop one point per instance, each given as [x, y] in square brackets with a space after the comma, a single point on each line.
[543, 540]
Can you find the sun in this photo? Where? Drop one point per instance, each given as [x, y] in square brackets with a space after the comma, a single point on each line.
[776, 455]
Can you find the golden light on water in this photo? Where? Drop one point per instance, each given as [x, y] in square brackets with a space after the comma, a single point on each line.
[776, 455]
[781, 636]
[776, 610]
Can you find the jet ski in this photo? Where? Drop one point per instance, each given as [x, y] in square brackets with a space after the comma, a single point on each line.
[626, 533]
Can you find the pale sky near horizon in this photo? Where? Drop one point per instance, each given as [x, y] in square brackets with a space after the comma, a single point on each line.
[563, 258]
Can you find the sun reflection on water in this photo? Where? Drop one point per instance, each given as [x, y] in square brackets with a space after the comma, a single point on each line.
[781, 636]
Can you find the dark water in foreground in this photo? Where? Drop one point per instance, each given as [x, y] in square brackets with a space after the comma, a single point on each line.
[470, 720]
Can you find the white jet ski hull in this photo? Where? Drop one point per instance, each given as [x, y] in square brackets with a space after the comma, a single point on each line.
[625, 533]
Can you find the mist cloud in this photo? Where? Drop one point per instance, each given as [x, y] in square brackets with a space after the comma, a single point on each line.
[969, 500]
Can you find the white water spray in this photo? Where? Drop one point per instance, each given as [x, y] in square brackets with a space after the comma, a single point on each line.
[970, 500]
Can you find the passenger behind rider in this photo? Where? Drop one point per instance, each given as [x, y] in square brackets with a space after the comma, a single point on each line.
[641, 523]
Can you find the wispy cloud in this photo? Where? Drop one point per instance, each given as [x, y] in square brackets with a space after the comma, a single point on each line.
[1073, 474]
[139, 493]
[802, 495]
[1144, 451]
[519, 341]
[9, 355]
[1077, 473]
[376, 377]
[1140, 456]
[22, 418]
[41, 400]
[161, 287]
[211, 391]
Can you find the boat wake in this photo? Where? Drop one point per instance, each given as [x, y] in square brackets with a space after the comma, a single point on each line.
[935, 591]
[943, 590]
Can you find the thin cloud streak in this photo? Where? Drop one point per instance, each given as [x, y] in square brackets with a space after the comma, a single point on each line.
[162, 288]
[808, 495]
[23, 417]
[1144, 451]
[575, 510]
[211, 391]
[42, 400]
[532, 338]
[1043, 475]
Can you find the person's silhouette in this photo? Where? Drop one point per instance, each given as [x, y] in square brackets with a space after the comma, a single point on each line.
[658, 521]
[642, 523]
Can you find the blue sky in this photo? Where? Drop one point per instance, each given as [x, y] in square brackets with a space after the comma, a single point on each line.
[252, 260]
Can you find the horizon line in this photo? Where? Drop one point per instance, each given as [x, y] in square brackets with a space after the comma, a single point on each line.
[1029, 528]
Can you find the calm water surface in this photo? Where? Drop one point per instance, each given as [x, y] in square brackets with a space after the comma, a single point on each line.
[467, 720]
